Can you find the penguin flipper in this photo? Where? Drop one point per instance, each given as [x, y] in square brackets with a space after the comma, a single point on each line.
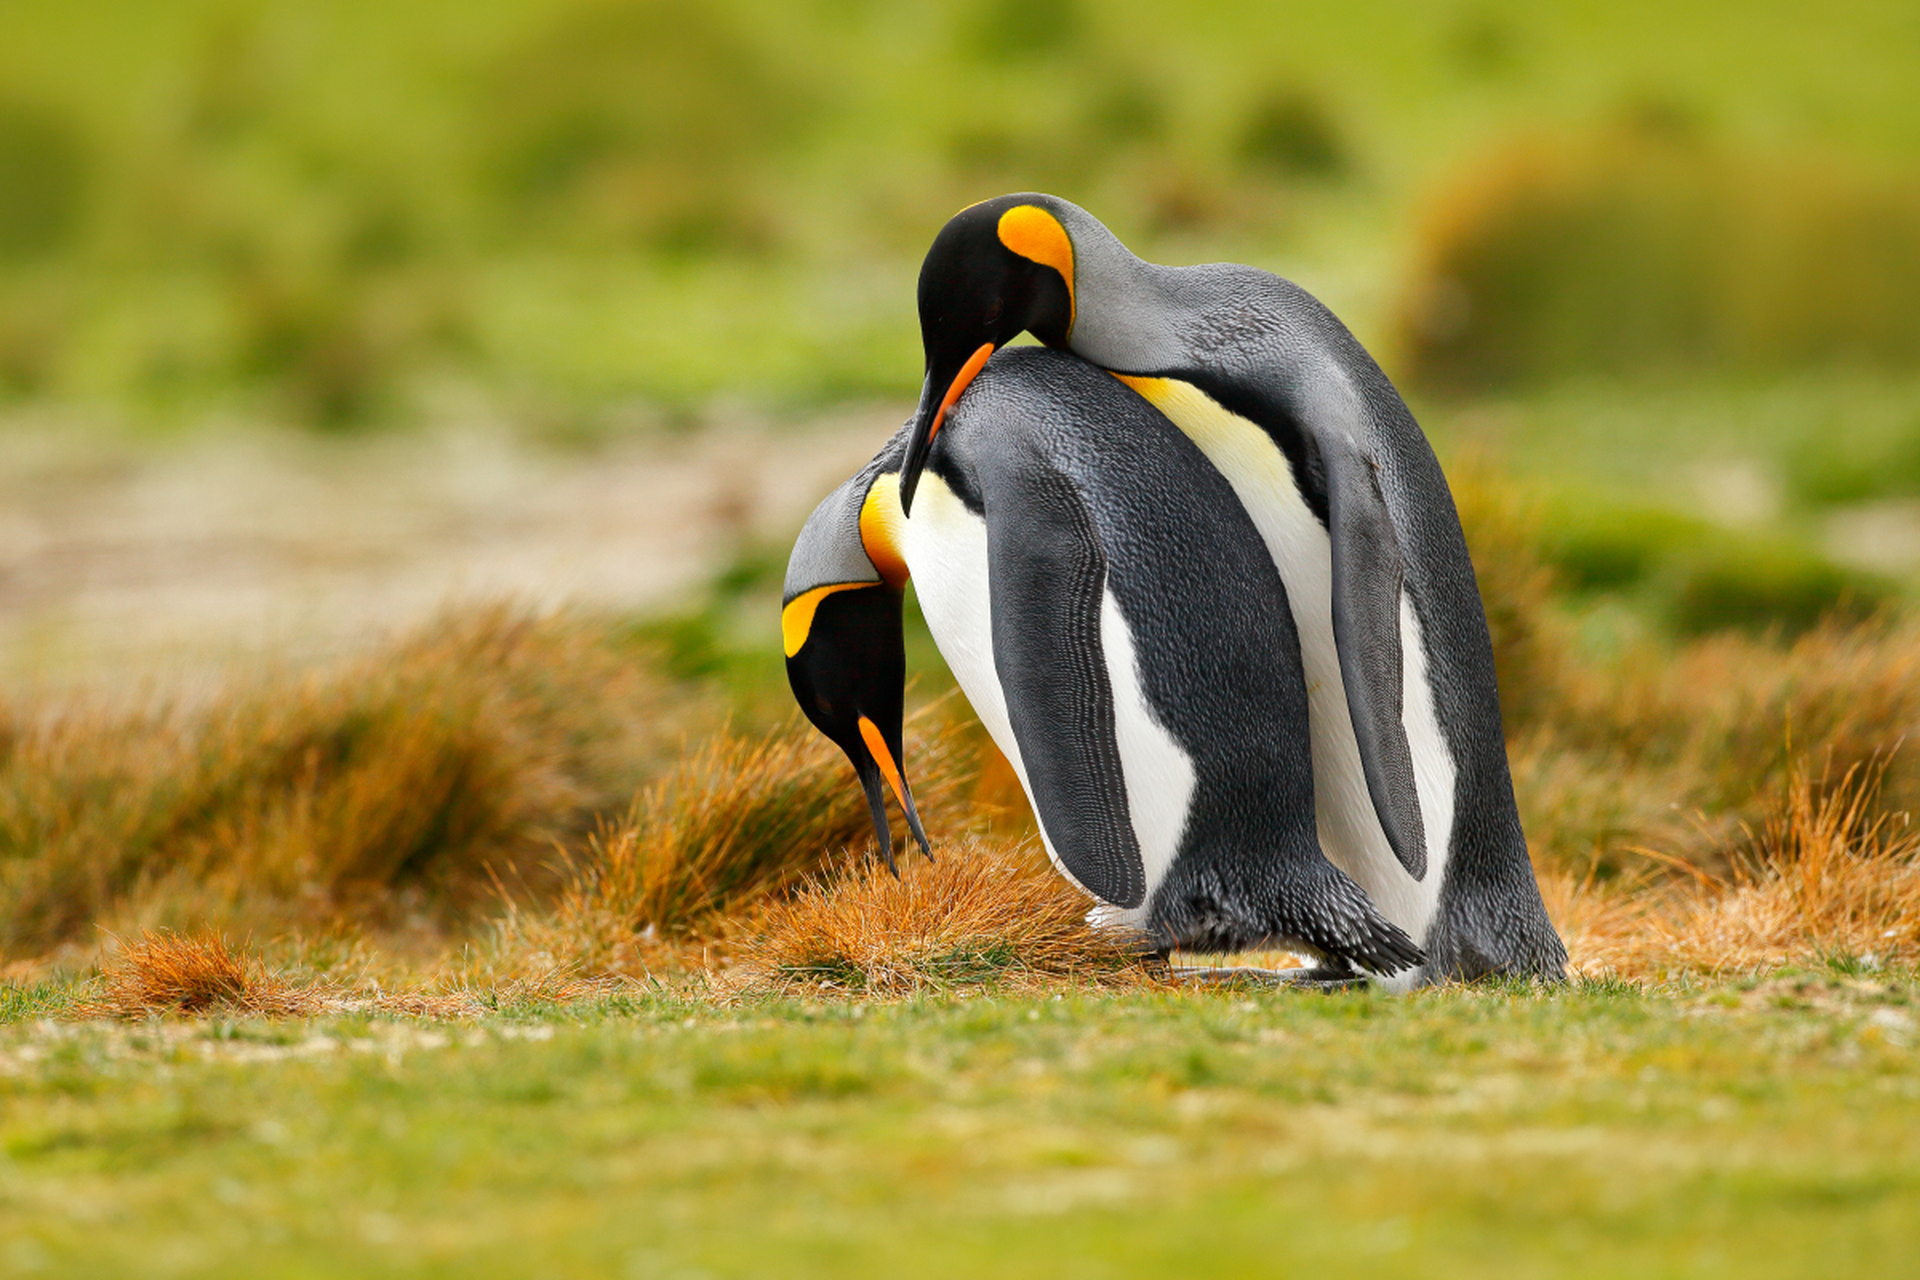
[1368, 574]
[1046, 576]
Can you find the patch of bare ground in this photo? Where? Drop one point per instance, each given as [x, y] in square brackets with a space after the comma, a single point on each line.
[119, 560]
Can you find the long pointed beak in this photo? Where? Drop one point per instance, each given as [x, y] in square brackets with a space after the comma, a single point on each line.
[935, 400]
[877, 804]
[919, 442]
[913, 819]
[883, 758]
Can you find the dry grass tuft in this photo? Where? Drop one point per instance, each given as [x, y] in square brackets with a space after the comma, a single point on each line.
[743, 818]
[166, 972]
[1681, 750]
[1829, 876]
[398, 785]
[983, 912]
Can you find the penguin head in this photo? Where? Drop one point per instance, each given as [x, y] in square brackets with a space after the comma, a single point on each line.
[840, 624]
[998, 269]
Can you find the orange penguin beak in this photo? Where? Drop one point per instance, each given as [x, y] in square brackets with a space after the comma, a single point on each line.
[932, 414]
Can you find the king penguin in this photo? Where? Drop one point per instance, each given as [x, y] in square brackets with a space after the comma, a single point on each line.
[1156, 718]
[1412, 789]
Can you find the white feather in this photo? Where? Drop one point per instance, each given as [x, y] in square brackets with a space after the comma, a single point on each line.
[945, 547]
[1160, 776]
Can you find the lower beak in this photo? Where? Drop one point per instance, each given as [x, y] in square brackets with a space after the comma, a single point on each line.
[877, 805]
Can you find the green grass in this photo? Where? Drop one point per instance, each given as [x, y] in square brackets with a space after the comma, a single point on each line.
[1730, 1130]
[1650, 440]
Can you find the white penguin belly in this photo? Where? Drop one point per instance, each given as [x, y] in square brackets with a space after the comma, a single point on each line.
[945, 549]
[1349, 828]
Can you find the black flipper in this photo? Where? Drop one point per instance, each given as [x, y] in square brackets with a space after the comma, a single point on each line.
[1047, 577]
[1368, 573]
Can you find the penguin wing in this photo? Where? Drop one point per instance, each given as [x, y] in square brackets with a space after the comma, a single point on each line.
[1369, 572]
[1046, 578]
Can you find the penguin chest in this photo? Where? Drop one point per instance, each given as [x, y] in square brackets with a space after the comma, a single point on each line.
[1349, 829]
[946, 548]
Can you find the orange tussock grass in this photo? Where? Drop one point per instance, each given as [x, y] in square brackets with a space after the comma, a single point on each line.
[984, 911]
[1828, 874]
[167, 972]
[398, 784]
[1678, 747]
[1681, 751]
[742, 818]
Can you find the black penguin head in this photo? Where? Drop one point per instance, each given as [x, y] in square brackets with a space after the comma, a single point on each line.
[998, 269]
[846, 658]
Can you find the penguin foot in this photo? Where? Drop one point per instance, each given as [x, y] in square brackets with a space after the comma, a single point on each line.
[1316, 978]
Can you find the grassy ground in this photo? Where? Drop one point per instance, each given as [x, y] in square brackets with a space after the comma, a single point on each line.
[499, 955]
[706, 1035]
[1732, 1128]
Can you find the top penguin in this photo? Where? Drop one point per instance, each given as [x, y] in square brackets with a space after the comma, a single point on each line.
[1412, 792]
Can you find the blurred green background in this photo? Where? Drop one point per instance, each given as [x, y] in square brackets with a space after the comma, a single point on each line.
[1660, 261]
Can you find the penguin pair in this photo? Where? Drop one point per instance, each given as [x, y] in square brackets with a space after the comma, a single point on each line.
[1110, 611]
[1320, 477]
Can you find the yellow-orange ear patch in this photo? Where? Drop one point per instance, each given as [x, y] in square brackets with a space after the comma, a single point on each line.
[1037, 235]
[882, 527]
[796, 620]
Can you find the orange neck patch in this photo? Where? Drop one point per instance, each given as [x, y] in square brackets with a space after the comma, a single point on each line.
[1037, 236]
[882, 525]
[1155, 391]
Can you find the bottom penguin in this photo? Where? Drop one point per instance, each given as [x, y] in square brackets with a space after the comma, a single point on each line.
[1116, 622]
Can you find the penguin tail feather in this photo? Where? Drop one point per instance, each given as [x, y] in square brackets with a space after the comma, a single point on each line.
[1340, 920]
[1387, 950]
